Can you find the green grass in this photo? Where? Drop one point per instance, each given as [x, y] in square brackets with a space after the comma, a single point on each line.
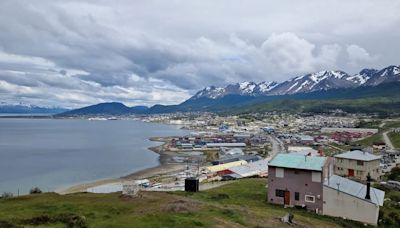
[395, 138]
[378, 136]
[239, 204]
[369, 141]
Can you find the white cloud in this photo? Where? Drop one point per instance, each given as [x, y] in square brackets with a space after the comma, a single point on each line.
[291, 54]
[358, 55]
[162, 51]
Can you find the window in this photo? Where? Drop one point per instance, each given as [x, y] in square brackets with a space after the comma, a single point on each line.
[360, 163]
[309, 199]
[316, 177]
[279, 172]
[297, 196]
[279, 193]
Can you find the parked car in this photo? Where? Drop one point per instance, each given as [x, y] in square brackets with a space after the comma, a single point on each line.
[392, 184]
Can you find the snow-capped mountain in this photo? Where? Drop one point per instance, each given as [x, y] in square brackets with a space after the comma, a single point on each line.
[362, 77]
[244, 89]
[386, 75]
[323, 80]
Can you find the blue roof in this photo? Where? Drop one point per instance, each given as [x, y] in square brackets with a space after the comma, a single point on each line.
[296, 161]
[355, 189]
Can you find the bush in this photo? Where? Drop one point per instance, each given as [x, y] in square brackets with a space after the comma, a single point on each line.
[395, 174]
[35, 190]
[7, 195]
[219, 196]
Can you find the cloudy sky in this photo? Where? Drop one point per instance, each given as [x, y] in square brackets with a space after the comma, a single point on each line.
[75, 53]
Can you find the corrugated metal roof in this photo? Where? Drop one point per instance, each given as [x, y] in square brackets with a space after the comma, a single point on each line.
[296, 161]
[251, 169]
[216, 168]
[355, 189]
[358, 155]
[226, 144]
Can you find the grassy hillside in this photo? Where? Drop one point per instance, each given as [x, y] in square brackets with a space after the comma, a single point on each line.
[383, 99]
[240, 204]
[378, 136]
[379, 105]
[395, 138]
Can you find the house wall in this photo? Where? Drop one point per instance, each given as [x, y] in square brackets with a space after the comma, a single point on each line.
[294, 180]
[339, 204]
[342, 166]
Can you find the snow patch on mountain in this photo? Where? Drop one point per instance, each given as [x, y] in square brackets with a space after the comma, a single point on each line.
[322, 80]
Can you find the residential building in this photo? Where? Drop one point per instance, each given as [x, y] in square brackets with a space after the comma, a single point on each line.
[352, 200]
[357, 164]
[225, 166]
[218, 145]
[297, 180]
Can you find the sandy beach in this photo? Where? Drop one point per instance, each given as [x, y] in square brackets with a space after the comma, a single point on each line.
[165, 167]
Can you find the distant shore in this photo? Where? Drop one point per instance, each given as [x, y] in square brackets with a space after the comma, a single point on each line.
[165, 167]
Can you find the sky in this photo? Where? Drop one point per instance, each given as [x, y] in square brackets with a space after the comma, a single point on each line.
[60, 53]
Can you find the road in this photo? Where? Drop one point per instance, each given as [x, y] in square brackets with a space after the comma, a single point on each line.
[334, 147]
[277, 146]
[387, 140]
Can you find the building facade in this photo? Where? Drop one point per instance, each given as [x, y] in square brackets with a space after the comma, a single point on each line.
[357, 164]
[348, 199]
[297, 180]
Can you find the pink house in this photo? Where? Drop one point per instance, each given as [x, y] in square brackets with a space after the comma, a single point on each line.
[297, 180]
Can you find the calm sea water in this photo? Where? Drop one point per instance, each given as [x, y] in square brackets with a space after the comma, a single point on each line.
[53, 154]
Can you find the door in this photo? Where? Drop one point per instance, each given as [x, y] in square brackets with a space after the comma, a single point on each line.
[286, 199]
[351, 173]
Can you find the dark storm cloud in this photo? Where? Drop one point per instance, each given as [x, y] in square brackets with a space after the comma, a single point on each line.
[74, 53]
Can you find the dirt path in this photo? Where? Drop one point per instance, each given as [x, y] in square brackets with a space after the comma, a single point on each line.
[387, 140]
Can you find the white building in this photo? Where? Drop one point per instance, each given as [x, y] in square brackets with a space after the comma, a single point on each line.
[348, 199]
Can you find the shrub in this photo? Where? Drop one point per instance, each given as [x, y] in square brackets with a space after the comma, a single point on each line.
[219, 196]
[7, 195]
[35, 190]
[395, 174]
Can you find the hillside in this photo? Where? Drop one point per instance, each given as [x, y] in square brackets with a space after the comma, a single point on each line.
[26, 109]
[312, 82]
[112, 108]
[240, 204]
[384, 98]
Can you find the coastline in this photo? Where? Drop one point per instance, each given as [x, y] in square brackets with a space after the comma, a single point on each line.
[164, 167]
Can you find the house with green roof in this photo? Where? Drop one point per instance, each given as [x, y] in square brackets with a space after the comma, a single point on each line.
[297, 180]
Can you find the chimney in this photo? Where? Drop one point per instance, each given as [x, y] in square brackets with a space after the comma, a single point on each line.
[368, 196]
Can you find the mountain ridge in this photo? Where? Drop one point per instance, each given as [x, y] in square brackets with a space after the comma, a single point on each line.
[322, 80]
[323, 85]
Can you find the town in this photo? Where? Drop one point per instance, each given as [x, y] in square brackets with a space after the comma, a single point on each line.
[335, 165]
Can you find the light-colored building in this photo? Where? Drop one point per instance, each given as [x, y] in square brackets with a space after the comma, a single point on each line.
[357, 164]
[352, 130]
[219, 145]
[221, 167]
[351, 200]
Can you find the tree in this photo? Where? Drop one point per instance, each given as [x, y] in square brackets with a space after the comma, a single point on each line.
[35, 190]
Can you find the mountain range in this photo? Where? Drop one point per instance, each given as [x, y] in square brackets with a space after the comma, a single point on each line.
[318, 81]
[28, 109]
[369, 86]
[109, 108]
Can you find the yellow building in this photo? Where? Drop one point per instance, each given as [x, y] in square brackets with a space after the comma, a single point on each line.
[217, 168]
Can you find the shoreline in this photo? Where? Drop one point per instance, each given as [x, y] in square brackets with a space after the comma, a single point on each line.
[164, 167]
